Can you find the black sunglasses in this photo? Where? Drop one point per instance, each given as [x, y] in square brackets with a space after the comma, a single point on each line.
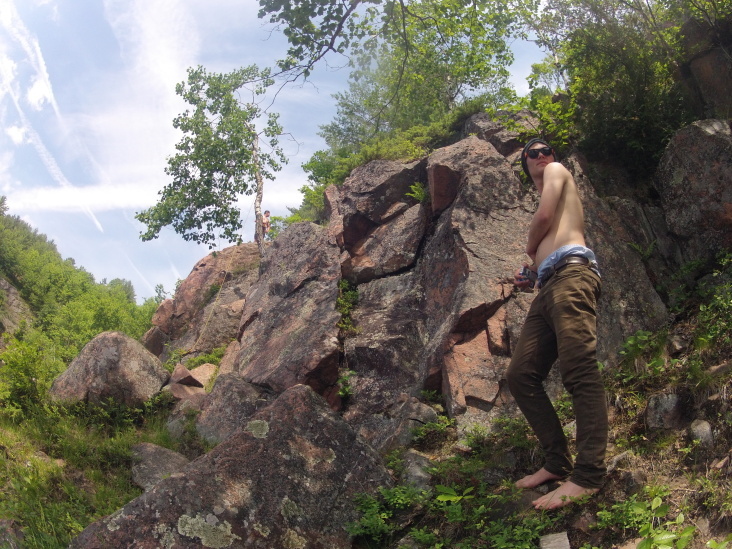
[534, 153]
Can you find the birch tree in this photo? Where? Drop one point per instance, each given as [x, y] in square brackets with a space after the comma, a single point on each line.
[222, 156]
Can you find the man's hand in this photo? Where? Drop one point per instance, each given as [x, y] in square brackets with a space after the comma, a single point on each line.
[521, 280]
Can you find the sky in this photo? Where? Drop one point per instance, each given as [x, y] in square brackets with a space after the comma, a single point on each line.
[87, 100]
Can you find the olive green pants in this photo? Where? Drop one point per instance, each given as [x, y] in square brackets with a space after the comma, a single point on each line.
[561, 323]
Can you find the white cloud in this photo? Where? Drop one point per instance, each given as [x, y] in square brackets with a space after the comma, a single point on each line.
[39, 94]
[95, 198]
[18, 135]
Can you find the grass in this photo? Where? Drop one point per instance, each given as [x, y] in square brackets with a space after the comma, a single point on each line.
[63, 468]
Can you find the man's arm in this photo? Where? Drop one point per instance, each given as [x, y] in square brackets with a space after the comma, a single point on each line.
[554, 178]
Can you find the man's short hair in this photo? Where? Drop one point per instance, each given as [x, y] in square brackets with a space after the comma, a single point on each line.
[528, 146]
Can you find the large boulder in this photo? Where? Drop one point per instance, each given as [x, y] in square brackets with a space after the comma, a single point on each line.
[694, 181]
[288, 478]
[375, 193]
[707, 67]
[288, 332]
[111, 366]
[229, 405]
[389, 248]
[153, 463]
[207, 306]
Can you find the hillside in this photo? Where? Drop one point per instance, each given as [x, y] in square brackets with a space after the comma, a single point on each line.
[358, 397]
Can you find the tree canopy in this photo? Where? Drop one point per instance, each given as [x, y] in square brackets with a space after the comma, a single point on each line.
[219, 157]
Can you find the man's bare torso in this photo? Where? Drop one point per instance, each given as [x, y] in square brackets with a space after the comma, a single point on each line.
[567, 224]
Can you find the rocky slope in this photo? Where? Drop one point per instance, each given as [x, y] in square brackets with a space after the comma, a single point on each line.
[437, 312]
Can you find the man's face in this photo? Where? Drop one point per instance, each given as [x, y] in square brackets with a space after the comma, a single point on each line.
[544, 156]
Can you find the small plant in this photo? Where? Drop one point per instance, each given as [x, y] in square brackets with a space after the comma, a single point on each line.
[431, 396]
[643, 358]
[345, 303]
[419, 192]
[394, 461]
[345, 389]
[213, 357]
[648, 517]
[211, 293]
[644, 253]
[376, 512]
[432, 432]
[174, 357]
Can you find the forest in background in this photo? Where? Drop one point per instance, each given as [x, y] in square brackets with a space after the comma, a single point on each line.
[610, 86]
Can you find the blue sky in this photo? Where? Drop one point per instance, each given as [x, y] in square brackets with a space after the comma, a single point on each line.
[87, 99]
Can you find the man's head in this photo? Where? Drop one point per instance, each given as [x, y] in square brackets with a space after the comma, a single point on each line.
[266, 212]
[540, 146]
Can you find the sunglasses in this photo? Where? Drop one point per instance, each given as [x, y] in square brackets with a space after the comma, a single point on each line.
[534, 153]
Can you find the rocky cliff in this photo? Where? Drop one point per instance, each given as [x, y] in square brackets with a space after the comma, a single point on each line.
[437, 311]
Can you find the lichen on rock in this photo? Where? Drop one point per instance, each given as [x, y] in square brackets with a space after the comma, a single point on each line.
[258, 428]
[211, 532]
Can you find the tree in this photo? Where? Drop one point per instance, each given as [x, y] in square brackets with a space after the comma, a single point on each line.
[412, 61]
[619, 61]
[219, 158]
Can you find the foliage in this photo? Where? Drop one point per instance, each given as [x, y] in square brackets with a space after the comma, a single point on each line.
[212, 357]
[422, 61]
[28, 366]
[419, 192]
[65, 467]
[474, 512]
[345, 389]
[345, 303]
[357, 29]
[643, 358]
[432, 433]
[618, 62]
[714, 327]
[218, 157]
[649, 517]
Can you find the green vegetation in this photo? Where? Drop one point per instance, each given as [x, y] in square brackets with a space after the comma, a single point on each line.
[609, 84]
[61, 468]
[345, 303]
[219, 158]
[345, 389]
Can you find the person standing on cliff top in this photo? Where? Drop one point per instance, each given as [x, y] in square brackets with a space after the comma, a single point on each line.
[561, 323]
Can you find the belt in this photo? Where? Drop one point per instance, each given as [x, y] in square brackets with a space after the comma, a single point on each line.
[559, 265]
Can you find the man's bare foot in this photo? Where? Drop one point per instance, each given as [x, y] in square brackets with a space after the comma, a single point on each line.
[567, 493]
[537, 479]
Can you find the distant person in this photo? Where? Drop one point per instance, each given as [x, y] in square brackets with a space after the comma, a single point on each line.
[561, 323]
[266, 223]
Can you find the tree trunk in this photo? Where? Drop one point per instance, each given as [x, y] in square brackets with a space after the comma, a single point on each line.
[258, 227]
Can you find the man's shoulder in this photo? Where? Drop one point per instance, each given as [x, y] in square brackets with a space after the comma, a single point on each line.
[557, 167]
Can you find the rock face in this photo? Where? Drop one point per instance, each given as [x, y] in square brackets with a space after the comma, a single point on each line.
[207, 306]
[288, 332]
[694, 181]
[707, 71]
[111, 366]
[287, 479]
[437, 311]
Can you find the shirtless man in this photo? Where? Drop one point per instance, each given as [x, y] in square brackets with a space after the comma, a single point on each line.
[561, 323]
